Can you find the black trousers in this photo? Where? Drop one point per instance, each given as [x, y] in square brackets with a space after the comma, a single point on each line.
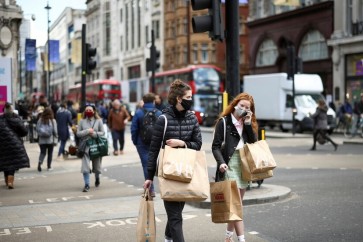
[9, 173]
[322, 132]
[174, 226]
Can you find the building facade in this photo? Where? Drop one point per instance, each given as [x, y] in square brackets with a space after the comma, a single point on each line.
[347, 57]
[66, 29]
[307, 26]
[10, 20]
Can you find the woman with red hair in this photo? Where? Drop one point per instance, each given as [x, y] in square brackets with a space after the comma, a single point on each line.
[236, 126]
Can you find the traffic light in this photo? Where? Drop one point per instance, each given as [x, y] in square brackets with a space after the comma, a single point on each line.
[155, 57]
[212, 22]
[90, 61]
[148, 65]
[291, 69]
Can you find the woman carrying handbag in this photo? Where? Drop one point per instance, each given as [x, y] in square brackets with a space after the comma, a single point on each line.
[237, 125]
[90, 126]
[182, 130]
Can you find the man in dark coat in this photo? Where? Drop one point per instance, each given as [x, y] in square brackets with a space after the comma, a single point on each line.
[64, 121]
[13, 155]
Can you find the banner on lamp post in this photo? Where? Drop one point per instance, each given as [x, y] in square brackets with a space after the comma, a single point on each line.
[5, 82]
[30, 54]
[54, 51]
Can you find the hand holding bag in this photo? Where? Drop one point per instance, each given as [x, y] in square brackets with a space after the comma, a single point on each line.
[259, 157]
[146, 227]
[226, 204]
[98, 147]
[247, 175]
[178, 164]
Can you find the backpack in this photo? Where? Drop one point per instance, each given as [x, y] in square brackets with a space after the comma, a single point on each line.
[45, 130]
[147, 127]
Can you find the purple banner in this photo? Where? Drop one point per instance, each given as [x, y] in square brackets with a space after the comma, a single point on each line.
[359, 68]
[54, 51]
[30, 54]
[3, 98]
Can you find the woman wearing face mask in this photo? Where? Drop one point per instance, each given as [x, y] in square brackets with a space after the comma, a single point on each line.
[182, 130]
[90, 126]
[237, 125]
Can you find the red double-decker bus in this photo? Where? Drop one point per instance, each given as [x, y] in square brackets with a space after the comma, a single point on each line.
[205, 80]
[98, 90]
[207, 85]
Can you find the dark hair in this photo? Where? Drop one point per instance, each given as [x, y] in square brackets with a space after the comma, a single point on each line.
[148, 97]
[47, 115]
[177, 89]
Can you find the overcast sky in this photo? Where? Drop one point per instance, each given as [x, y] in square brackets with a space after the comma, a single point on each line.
[39, 27]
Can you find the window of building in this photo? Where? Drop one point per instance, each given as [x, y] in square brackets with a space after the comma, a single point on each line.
[185, 27]
[313, 46]
[195, 53]
[156, 28]
[267, 53]
[205, 54]
[146, 34]
[139, 23]
[107, 34]
[127, 26]
[185, 55]
[121, 15]
[241, 54]
[121, 43]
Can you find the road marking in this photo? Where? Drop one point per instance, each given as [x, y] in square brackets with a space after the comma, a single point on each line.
[188, 216]
[253, 232]
[315, 168]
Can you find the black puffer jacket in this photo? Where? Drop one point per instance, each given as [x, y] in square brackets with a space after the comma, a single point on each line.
[181, 125]
[13, 155]
[224, 154]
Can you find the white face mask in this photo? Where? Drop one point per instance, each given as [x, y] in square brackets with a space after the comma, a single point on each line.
[240, 112]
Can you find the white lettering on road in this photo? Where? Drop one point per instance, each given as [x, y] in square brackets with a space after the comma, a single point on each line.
[59, 199]
[25, 230]
[116, 222]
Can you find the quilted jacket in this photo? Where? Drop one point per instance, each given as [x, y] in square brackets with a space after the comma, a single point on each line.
[13, 155]
[180, 125]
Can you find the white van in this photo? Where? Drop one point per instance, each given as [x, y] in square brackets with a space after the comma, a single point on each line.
[272, 94]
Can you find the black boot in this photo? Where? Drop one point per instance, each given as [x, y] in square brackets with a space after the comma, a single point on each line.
[335, 147]
[97, 183]
[313, 148]
[39, 167]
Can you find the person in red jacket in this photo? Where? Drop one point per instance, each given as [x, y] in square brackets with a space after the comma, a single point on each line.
[117, 120]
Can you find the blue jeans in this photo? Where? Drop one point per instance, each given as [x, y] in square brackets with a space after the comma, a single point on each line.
[43, 152]
[118, 136]
[61, 147]
[143, 151]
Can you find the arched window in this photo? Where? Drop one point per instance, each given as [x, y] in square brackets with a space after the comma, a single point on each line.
[313, 46]
[267, 53]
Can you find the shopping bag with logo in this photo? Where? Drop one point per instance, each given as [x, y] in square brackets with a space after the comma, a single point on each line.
[98, 147]
[146, 228]
[226, 202]
[259, 157]
[196, 190]
[247, 175]
[178, 164]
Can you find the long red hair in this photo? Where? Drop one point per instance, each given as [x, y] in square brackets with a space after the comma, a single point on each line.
[230, 108]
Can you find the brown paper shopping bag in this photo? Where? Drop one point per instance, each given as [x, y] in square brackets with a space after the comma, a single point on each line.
[146, 228]
[259, 157]
[226, 202]
[178, 164]
[196, 190]
[247, 175]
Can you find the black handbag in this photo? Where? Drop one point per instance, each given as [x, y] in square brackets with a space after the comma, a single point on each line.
[81, 148]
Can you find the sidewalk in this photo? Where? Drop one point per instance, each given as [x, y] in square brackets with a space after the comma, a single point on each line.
[34, 203]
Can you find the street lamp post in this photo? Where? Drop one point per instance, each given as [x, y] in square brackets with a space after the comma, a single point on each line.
[48, 56]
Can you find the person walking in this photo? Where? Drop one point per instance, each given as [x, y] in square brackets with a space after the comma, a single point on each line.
[13, 155]
[90, 126]
[48, 134]
[320, 118]
[159, 103]
[138, 128]
[64, 122]
[236, 126]
[182, 131]
[117, 120]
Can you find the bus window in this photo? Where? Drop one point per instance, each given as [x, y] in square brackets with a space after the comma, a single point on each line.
[206, 80]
